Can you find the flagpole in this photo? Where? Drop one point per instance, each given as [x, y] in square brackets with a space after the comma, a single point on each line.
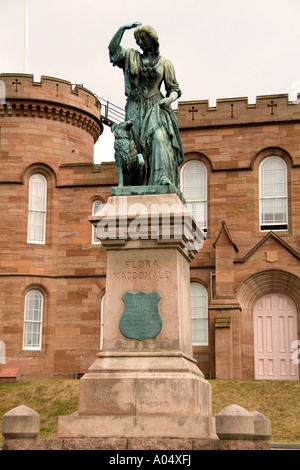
[25, 36]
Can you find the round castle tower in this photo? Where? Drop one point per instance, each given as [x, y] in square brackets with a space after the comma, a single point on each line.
[48, 184]
[44, 126]
[47, 122]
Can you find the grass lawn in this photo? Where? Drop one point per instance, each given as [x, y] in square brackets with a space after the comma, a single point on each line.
[278, 400]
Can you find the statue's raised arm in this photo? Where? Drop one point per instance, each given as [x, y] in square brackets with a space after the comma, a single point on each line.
[117, 38]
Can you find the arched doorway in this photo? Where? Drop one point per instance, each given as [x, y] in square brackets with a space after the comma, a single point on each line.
[275, 330]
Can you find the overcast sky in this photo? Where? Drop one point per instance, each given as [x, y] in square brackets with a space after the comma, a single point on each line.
[219, 48]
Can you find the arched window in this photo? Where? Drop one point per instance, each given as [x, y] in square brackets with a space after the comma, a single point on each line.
[33, 317]
[273, 194]
[37, 209]
[199, 312]
[97, 206]
[194, 189]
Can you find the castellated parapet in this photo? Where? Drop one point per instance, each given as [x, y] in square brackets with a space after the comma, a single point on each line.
[238, 111]
[49, 122]
[236, 134]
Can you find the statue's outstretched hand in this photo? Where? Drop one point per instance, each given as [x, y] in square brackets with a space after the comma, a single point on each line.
[132, 25]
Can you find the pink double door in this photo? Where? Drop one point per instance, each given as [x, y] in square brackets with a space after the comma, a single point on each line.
[275, 335]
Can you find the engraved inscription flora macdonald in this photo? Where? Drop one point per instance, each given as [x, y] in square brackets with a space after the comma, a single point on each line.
[140, 269]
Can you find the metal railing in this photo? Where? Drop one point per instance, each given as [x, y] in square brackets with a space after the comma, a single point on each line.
[110, 113]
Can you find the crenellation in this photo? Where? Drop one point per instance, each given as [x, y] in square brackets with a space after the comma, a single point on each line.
[229, 111]
[51, 98]
[24, 85]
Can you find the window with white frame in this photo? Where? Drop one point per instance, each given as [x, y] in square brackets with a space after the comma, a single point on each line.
[97, 206]
[199, 312]
[273, 194]
[37, 209]
[33, 317]
[194, 189]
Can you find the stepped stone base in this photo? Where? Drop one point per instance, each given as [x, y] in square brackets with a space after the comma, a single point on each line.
[136, 426]
[139, 395]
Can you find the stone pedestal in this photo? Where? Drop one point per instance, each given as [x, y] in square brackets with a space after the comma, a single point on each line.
[145, 382]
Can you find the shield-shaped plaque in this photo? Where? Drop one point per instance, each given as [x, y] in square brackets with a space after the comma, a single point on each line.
[141, 318]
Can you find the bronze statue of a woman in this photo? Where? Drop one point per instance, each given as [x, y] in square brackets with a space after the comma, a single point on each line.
[155, 128]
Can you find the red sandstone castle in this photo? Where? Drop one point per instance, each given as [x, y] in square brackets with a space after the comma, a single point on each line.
[240, 179]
